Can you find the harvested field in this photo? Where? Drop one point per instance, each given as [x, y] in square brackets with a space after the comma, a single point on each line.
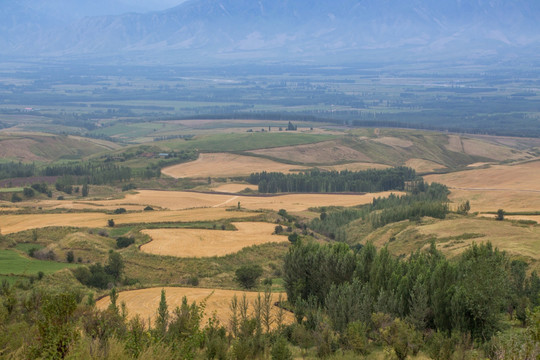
[326, 152]
[16, 223]
[512, 188]
[206, 243]
[394, 142]
[144, 302]
[423, 166]
[483, 200]
[454, 143]
[496, 152]
[234, 188]
[181, 200]
[177, 200]
[223, 165]
[357, 166]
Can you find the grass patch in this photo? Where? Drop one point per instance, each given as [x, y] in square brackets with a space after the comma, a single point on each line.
[26, 247]
[12, 279]
[119, 231]
[247, 141]
[11, 262]
[10, 190]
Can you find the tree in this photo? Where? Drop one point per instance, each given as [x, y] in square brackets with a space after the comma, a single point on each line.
[115, 265]
[70, 257]
[85, 190]
[28, 192]
[464, 208]
[500, 215]
[247, 275]
[123, 242]
[110, 222]
[56, 326]
[162, 319]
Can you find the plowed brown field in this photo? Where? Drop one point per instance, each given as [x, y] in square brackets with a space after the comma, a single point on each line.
[204, 243]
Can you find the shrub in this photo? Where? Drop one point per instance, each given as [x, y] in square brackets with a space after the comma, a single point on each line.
[28, 192]
[120, 211]
[193, 280]
[70, 257]
[110, 223]
[247, 275]
[129, 186]
[293, 238]
[15, 198]
[123, 242]
[148, 208]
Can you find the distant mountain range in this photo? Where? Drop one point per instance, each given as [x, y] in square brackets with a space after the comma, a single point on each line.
[272, 29]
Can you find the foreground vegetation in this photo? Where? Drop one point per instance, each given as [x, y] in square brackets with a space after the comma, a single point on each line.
[346, 303]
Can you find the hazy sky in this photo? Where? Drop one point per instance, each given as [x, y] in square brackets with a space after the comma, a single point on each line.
[154, 4]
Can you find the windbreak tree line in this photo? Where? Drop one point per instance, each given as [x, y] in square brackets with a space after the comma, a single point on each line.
[16, 169]
[316, 181]
[424, 200]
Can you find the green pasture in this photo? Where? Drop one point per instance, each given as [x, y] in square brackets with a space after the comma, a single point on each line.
[11, 262]
[246, 141]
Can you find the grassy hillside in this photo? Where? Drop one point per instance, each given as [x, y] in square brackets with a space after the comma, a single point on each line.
[29, 147]
[455, 234]
[245, 141]
[400, 147]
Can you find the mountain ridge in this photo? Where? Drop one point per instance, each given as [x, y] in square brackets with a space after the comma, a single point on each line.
[287, 29]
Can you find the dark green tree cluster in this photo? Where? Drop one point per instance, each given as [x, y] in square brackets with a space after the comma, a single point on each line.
[16, 169]
[99, 276]
[90, 173]
[316, 181]
[426, 290]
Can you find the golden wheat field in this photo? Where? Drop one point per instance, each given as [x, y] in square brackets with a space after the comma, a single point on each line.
[178, 200]
[233, 187]
[224, 164]
[355, 166]
[15, 223]
[508, 187]
[206, 243]
[144, 302]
